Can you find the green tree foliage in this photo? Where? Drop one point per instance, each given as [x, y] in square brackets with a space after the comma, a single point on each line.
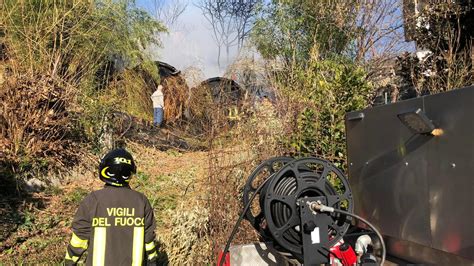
[324, 91]
[289, 29]
[310, 43]
[73, 39]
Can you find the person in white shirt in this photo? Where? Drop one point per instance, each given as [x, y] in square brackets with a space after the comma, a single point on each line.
[158, 106]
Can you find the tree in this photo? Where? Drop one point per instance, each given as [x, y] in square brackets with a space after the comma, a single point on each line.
[244, 14]
[362, 30]
[289, 30]
[231, 21]
[309, 46]
[169, 11]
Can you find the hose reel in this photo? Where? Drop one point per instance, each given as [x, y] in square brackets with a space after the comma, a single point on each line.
[265, 170]
[283, 212]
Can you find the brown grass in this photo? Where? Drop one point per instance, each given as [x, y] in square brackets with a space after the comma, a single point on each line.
[44, 220]
[36, 128]
[234, 154]
[176, 94]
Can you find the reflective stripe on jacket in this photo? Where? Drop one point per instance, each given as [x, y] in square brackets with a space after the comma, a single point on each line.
[116, 226]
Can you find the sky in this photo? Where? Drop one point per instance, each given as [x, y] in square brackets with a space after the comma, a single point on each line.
[189, 43]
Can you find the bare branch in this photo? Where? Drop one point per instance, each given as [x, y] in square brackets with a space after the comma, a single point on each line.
[169, 11]
[231, 21]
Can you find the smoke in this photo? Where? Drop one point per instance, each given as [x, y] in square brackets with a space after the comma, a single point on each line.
[190, 43]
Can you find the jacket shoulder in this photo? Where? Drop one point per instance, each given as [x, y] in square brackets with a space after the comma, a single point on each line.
[125, 192]
[89, 198]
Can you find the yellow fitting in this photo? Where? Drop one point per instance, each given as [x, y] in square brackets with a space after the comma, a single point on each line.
[437, 132]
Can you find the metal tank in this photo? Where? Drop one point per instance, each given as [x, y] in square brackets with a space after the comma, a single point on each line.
[416, 187]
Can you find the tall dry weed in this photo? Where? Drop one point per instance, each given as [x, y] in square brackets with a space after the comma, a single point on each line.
[188, 243]
[233, 154]
[35, 124]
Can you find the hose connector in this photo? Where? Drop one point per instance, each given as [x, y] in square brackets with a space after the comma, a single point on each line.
[317, 206]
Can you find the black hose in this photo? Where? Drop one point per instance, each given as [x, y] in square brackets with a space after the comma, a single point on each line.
[246, 208]
[236, 226]
[371, 226]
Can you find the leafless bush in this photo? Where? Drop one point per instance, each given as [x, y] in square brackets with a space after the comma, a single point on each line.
[35, 123]
[234, 153]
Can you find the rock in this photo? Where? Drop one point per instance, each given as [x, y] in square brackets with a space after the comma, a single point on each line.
[34, 185]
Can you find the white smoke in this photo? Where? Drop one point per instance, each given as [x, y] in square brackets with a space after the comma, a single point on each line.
[190, 43]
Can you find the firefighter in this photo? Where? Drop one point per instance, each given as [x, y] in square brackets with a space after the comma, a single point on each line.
[115, 224]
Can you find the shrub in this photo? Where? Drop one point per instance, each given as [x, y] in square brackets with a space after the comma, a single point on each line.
[187, 242]
[318, 97]
[35, 129]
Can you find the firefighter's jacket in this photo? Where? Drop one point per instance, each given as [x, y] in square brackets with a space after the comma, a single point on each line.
[116, 226]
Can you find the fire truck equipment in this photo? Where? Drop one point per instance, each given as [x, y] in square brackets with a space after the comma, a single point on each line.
[305, 208]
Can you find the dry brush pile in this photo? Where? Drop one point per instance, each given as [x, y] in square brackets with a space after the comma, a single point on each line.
[188, 104]
[176, 95]
[36, 133]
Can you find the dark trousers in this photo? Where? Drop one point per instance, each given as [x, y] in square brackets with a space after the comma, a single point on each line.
[158, 116]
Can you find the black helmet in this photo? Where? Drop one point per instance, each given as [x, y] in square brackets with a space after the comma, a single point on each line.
[116, 168]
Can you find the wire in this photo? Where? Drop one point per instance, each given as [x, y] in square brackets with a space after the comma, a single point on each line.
[371, 226]
[236, 226]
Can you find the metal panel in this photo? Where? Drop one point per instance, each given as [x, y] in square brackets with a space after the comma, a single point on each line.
[452, 177]
[257, 254]
[383, 172]
[414, 253]
[406, 183]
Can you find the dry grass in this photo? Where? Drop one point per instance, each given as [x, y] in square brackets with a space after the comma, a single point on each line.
[36, 129]
[233, 156]
[176, 94]
[174, 183]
